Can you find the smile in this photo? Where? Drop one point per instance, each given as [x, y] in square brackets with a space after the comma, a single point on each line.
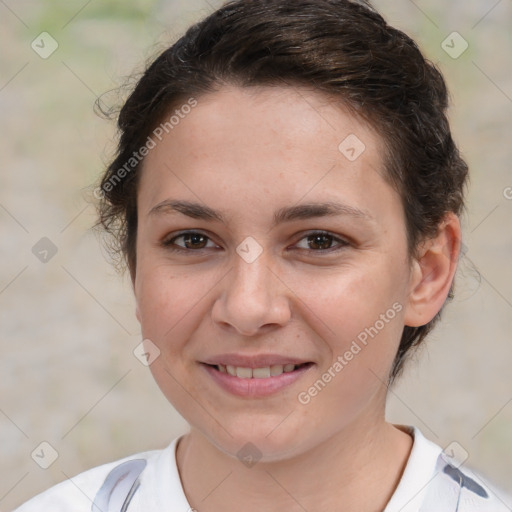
[255, 382]
[258, 373]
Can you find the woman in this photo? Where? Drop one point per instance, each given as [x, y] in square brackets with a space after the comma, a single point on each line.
[286, 195]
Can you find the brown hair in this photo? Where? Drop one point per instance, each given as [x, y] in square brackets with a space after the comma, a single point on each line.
[342, 48]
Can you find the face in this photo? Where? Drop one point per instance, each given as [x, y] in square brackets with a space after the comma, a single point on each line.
[250, 271]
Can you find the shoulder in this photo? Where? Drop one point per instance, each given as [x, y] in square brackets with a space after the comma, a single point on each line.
[460, 489]
[454, 486]
[78, 493]
[477, 494]
[434, 481]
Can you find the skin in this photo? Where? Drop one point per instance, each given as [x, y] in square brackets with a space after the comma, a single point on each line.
[247, 153]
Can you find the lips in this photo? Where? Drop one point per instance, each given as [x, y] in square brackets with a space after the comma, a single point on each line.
[251, 386]
[254, 361]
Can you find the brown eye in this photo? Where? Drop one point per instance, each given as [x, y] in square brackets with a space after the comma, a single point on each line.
[195, 241]
[192, 240]
[322, 242]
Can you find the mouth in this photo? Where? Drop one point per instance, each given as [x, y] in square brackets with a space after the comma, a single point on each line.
[253, 383]
[264, 372]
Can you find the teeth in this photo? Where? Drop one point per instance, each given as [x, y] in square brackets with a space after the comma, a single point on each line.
[243, 373]
[256, 373]
[276, 369]
[261, 373]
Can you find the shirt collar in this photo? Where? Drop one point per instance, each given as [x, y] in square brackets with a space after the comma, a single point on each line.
[418, 472]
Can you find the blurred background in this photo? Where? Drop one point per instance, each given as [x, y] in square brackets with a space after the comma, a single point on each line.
[68, 375]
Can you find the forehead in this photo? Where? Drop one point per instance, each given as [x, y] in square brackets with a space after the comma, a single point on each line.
[272, 116]
[278, 143]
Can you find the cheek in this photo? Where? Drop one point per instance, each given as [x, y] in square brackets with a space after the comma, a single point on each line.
[172, 302]
[360, 322]
[359, 316]
[162, 299]
[353, 299]
[171, 309]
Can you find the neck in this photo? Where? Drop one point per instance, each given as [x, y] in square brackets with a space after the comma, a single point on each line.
[358, 468]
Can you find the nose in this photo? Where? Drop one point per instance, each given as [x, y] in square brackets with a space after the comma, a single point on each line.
[253, 299]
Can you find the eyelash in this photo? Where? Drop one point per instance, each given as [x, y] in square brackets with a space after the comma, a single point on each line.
[169, 243]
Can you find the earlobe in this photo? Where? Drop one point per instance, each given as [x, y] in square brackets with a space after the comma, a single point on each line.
[433, 272]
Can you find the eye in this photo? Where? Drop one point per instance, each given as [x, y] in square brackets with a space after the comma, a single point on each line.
[317, 241]
[321, 241]
[193, 240]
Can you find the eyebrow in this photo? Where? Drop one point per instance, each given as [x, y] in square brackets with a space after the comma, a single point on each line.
[285, 214]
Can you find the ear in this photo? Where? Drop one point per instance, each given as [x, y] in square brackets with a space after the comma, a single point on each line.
[432, 272]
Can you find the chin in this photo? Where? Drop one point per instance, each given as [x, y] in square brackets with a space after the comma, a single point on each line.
[250, 441]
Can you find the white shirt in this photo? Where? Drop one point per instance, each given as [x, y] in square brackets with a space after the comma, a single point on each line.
[428, 484]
